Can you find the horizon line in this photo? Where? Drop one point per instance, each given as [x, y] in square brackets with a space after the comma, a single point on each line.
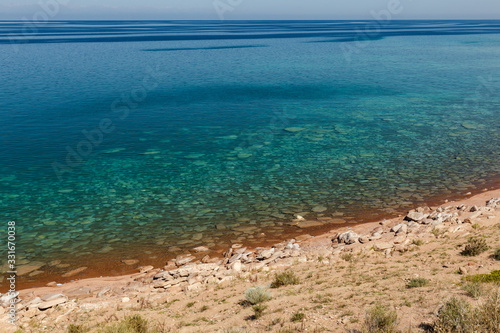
[295, 20]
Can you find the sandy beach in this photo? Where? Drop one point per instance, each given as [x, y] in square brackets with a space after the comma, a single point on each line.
[342, 273]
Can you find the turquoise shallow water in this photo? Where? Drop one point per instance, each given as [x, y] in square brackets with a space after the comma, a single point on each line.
[207, 140]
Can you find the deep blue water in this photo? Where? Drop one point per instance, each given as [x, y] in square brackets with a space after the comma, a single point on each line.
[124, 135]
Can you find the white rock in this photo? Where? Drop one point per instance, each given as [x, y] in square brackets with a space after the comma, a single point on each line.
[5, 299]
[236, 266]
[349, 237]
[494, 202]
[416, 216]
[266, 254]
[52, 300]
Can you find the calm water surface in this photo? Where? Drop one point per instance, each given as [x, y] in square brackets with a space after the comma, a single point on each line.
[129, 139]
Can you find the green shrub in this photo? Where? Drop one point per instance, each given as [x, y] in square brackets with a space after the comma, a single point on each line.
[379, 319]
[494, 276]
[496, 254]
[298, 316]
[417, 282]
[284, 279]
[257, 295]
[132, 324]
[458, 316]
[475, 246]
[349, 257]
[76, 329]
[258, 310]
[418, 242]
[488, 314]
[473, 289]
[455, 316]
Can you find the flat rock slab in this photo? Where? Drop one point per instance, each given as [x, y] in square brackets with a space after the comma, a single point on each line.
[78, 291]
[74, 272]
[52, 300]
[319, 209]
[201, 249]
[302, 238]
[246, 228]
[183, 259]
[383, 245]
[26, 269]
[294, 129]
[309, 224]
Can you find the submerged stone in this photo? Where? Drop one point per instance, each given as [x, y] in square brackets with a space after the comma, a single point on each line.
[244, 155]
[74, 272]
[294, 129]
[319, 209]
[114, 150]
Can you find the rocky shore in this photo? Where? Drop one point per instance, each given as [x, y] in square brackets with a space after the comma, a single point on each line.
[93, 302]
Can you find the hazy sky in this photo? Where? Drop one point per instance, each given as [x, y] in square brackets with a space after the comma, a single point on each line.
[245, 9]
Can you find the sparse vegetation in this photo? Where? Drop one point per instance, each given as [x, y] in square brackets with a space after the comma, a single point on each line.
[76, 329]
[418, 242]
[132, 324]
[496, 254]
[379, 319]
[473, 289]
[234, 330]
[417, 282]
[257, 295]
[349, 257]
[258, 310]
[494, 276]
[298, 316]
[285, 278]
[454, 316]
[457, 315]
[475, 246]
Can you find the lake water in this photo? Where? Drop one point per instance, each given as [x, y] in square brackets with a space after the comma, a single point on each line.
[141, 139]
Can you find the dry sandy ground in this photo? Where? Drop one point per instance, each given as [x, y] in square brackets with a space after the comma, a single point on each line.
[336, 287]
